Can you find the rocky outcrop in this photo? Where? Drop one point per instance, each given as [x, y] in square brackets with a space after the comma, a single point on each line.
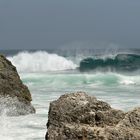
[77, 116]
[15, 98]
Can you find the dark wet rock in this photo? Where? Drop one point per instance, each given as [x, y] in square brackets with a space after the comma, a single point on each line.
[15, 98]
[77, 116]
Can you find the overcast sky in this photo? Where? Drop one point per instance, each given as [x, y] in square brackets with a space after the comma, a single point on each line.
[40, 24]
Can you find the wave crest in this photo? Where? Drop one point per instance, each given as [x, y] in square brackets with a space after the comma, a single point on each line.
[40, 61]
[120, 62]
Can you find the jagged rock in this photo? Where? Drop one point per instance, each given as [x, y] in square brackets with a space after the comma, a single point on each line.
[77, 116]
[15, 98]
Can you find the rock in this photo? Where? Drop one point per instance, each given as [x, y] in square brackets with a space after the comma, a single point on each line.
[15, 98]
[77, 116]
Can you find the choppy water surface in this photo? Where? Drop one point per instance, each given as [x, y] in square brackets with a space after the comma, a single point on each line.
[122, 91]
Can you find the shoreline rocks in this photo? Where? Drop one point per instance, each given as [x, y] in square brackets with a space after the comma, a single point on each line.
[15, 98]
[78, 116]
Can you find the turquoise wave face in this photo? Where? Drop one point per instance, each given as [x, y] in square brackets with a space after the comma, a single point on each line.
[63, 80]
[121, 91]
[121, 62]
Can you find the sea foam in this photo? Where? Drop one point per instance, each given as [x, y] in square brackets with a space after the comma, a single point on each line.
[41, 61]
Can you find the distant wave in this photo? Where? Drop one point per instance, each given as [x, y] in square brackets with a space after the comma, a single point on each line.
[120, 62]
[40, 61]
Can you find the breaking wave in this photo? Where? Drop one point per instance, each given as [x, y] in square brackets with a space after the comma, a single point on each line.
[120, 62]
[40, 61]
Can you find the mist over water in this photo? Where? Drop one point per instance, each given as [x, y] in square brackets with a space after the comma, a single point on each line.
[41, 61]
[49, 75]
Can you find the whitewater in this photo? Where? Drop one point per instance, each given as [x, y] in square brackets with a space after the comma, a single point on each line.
[49, 75]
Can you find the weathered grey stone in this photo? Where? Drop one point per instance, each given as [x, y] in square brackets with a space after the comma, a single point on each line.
[77, 116]
[15, 98]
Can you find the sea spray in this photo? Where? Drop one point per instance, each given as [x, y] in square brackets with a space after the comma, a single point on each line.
[4, 127]
[11, 106]
[5, 123]
[41, 61]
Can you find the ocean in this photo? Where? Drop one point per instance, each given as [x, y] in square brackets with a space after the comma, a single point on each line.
[110, 75]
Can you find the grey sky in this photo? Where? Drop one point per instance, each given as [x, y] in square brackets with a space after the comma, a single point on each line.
[35, 24]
